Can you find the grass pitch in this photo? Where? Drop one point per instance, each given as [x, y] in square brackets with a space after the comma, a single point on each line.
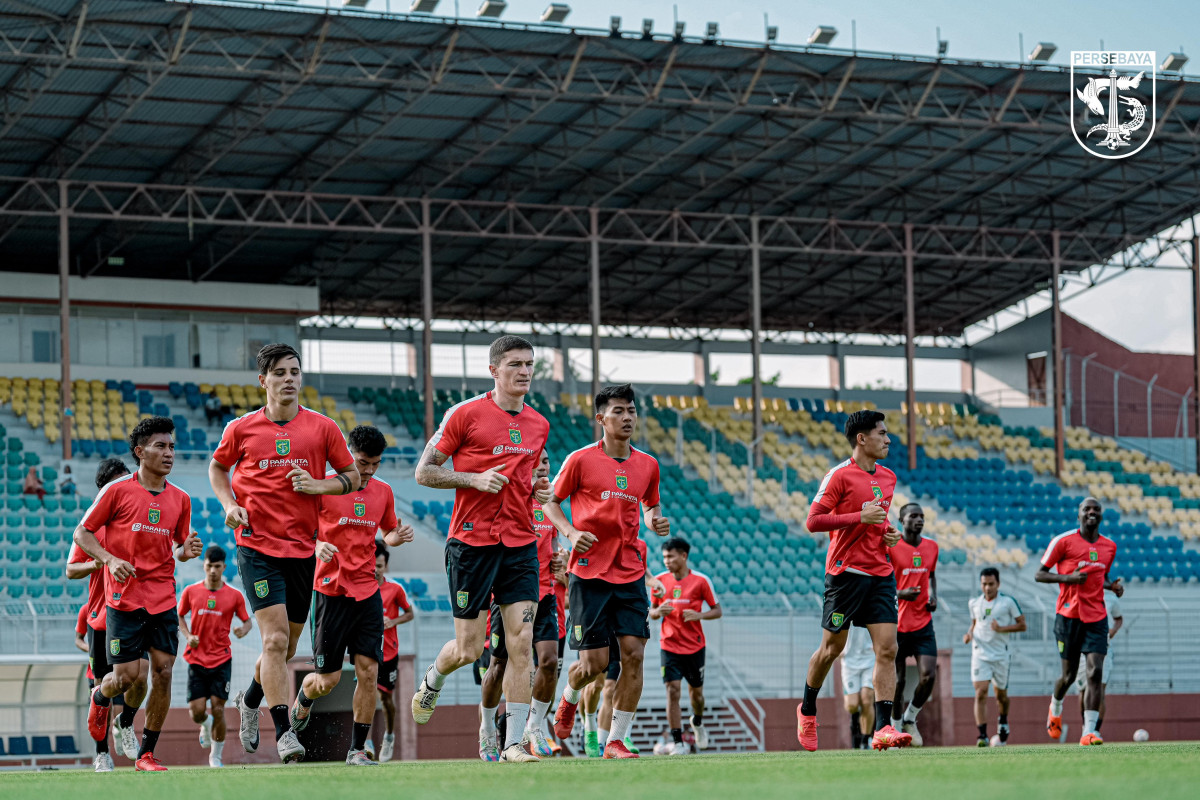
[1013, 773]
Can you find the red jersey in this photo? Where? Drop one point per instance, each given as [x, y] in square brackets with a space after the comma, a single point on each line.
[81, 626]
[261, 453]
[97, 612]
[914, 567]
[395, 601]
[212, 614]
[678, 636]
[845, 491]
[545, 549]
[605, 496]
[349, 522]
[560, 599]
[1067, 551]
[478, 435]
[141, 528]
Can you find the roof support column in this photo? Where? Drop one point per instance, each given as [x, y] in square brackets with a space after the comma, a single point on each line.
[427, 313]
[1056, 335]
[64, 314]
[910, 347]
[756, 393]
[1196, 342]
[594, 292]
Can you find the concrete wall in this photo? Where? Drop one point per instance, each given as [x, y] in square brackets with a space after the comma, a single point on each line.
[1000, 371]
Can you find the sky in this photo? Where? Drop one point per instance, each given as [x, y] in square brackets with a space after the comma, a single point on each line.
[976, 30]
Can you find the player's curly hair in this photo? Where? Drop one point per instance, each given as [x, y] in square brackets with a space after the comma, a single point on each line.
[109, 470]
[272, 354]
[367, 440]
[861, 422]
[506, 344]
[142, 432]
[610, 393]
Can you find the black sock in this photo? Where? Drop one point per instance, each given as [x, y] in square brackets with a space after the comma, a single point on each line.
[677, 735]
[855, 726]
[279, 715]
[127, 716]
[983, 731]
[102, 745]
[254, 695]
[1004, 719]
[149, 740]
[304, 699]
[361, 730]
[697, 720]
[808, 706]
[883, 714]
[1099, 722]
[100, 700]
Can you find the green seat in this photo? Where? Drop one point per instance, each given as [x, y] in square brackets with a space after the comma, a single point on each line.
[32, 503]
[33, 536]
[32, 459]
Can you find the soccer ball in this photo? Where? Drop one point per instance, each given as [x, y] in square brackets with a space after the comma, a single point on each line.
[995, 741]
[1141, 735]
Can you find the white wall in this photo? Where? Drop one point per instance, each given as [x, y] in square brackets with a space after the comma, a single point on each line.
[1001, 373]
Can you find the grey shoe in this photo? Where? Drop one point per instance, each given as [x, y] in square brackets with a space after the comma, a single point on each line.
[515, 752]
[424, 702]
[290, 748]
[126, 739]
[103, 762]
[247, 724]
[358, 758]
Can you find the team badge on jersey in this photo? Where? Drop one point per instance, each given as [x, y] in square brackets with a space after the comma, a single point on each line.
[154, 515]
[875, 490]
[677, 593]
[212, 603]
[539, 515]
[916, 559]
[261, 588]
[837, 619]
[622, 482]
[462, 599]
[514, 435]
[360, 509]
[1093, 555]
[987, 612]
[283, 446]
[114, 647]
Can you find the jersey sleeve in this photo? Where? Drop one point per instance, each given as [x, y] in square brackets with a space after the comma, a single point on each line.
[566, 482]
[239, 607]
[81, 620]
[184, 528]
[829, 493]
[389, 521]
[1054, 553]
[709, 594]
[229, 450]
[937, 551]
[402, 598]
[651, 498]
[1114, 606]
[972, 611]
[185, 602]
[655, 602]
[337, 452]
[76, 555]
[1016, 607]
[449, 434]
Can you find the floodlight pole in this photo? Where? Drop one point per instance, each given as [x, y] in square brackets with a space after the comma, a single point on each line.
[910, 348]
[594, 292]
[756, 393]
[1196, 340]
[427, 313]
[1056, 333]
[64, 313]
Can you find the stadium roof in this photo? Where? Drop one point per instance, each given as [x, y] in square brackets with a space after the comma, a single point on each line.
[293, 145]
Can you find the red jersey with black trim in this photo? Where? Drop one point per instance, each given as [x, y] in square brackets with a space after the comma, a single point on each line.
[689, 594]
[212, 614]
[847, 489]
[97, 611]
[1069, 551]
[545, 549]
[914, 566]
[349, 522]
[261, 453]
[478, 435]
[395, 602]
[143, 529]
[606, 499]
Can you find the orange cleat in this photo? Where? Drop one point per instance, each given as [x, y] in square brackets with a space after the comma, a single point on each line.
[1054, 726]
[564, 718]
[1090, 739]
[806, 730]
[617, 749]
[97, 719]
[887, 736]
[555, 747]
[148, 763]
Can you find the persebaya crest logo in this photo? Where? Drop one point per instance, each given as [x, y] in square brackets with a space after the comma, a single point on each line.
[261, 588]
[514, 435]
[877, 492]
[320, 662]
[916, 559]
[1093, 555]
[987, 612]
[283, 446]
[114, 647]
[837, 619]
[360, 509]
[539, 515]
[154, 515]
[579, 633]
[461, 599]
[212, 603]
[1113, 113]
[677, 593]
[622, 482]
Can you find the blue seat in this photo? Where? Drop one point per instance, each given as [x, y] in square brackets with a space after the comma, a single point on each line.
[18, 746]
[103, 448]
[42, 746]
[213, 506]
[420, 509]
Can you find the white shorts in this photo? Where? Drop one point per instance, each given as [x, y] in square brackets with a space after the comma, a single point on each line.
[855, 680]
[995, 671]
[1081, 675]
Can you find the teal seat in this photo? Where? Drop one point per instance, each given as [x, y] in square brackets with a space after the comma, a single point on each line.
[51, 503]
[33, 521]
[32, 503]
[69, 505]
[33, 536]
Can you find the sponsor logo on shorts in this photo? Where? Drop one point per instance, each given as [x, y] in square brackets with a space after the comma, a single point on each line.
[579, 633]
[114, 647]
[461, 599]
[155, 514]
[261, 588]
[226, 687]
[482, 672]
[677, 593]
[320, 662]
[837, 619]
[283, 447]
[1062, 647]
[622, 482]
[514, 436]
[212, 602]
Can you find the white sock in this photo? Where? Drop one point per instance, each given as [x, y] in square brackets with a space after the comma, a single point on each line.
[602, 736]
[896, 723]
[537, 712]
[435, 679]
[910, 713]
[389, 737]
[589, 721]
[1090, 719]
[218, 749]
[518, 716]
[1055, 706]
[571, 695]
[204, 721]
[489, 718]
[620, 724]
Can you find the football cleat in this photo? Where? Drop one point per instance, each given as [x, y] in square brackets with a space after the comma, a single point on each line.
[679, 749]
[102, 762]
[564, 718]
[387, 747]
[1054, 726]
[617, 749]
[887, 736]
[148, 763]
[424, 702]
[247, 723]
[630, 746]
[359, 758]
[289, 748]
[489, 745]
[806, 730]
[298, 722]
[701, 735]
[982, 742]
[1091, 739]
[591, 744]
[369, 749]
[911, 729]
[126, 739]
[97, 719]
[516, 752]
[206, 733]
[215, 761]
[535, 740]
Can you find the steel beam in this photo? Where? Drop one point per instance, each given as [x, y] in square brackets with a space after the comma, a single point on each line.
[910, 344]
[1059, 371]
[427, 314]
[594, 295]
[64, 316]
[756, 390]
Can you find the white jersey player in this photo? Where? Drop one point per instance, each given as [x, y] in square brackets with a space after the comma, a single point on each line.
[858, 686]
[994, 618]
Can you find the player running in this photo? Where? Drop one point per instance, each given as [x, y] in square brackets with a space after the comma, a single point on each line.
[858, 687]
[606, 483]
[681, 609]
[915, 560]
[994, 617]
[213, 604]
[397, 610]
[1082, 560]
[142, 516]
[273, 455]
[81, 565]
[347, 600]
[491, 553]
[1115, 620]
[852, 505]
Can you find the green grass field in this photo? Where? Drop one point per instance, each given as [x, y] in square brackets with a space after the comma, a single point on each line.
[1014, 773]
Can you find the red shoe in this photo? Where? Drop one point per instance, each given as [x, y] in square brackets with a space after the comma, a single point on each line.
[97, 719]
[148, 763]
[806, 730]
[564, 718]
[1054, 726]
[887, 736]
[1090, 739]
[617, 749]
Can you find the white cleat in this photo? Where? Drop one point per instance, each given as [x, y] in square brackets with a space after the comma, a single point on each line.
[489, 745]
[102, 762]
[515, 752]
[386, 748]
[127, 742]
[359, 758]
[679, 749]
[701, 735]
[206, 733]
[369, 749]
[537, 743]
[247, 724]
[911, 729]
[215, 761]
[424, 702]
[290, 748]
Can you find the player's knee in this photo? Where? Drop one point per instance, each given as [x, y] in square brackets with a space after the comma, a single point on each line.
[1001, 695]
[162, 671]
[275, 643]
[325, 682]
[198, 715]
[673, 690]
[886, 651]
[981, 693]
[469, 651]
[548, 666]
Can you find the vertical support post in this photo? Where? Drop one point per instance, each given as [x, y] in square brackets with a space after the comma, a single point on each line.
[1116, 404]
[1150, 416]
[594, 292]
[64, 314]
[756, 393]
[1083, 389]
[427, 313]
[1196, 341]
[1056, 305]
[910, 345]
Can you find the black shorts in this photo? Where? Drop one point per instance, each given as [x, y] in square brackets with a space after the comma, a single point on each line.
[387, 675]
[1075, 637]
[271, 581]
[342, 624]
[861, 599]
[683, 666]
[545, 626]
[480, 667]
[601, 611]
[916, 643]
[131, 633]
[493, 573]
[204, 682]
[98, 654]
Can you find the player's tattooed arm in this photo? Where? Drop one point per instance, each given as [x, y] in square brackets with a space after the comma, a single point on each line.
[431, 473]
